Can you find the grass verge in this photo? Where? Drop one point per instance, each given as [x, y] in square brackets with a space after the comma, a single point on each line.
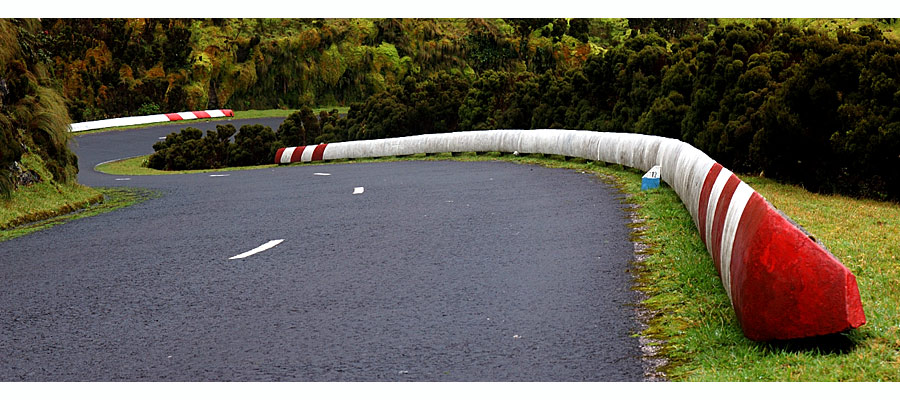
[44, 199]
[108, 199]
[689, 312]
[138, 166]
[48, 199]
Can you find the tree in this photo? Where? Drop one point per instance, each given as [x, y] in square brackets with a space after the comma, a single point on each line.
[299, 128]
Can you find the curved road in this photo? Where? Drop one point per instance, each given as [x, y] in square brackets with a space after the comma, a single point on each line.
[436, 271]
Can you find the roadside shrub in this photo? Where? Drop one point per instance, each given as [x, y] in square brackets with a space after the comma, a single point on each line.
[765, 97]
[176, 152]
[190, 149]
[253, 145]
[299, 128]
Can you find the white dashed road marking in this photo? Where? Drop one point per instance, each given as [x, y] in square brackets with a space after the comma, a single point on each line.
[123, 179]
[220, 175]
[270, 244]
[322, 174]
[358, 190]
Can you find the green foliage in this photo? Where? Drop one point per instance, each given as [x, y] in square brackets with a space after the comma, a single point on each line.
[176, 151]
[415, 107]
[253, 145]
[764, 98]
[330, 121]
[777, 97]
[148, 109]
[10, 152]
[488, 52]
[33, 117]
[299, 128]
[190, 149]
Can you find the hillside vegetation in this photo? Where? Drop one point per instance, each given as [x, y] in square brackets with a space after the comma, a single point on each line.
[810, 102]
[33, 117]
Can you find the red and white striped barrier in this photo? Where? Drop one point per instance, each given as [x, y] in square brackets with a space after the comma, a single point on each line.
[148, 119]
[289, 155]
[781, 282]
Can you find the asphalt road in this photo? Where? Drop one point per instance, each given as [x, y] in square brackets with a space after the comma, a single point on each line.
[436, 271]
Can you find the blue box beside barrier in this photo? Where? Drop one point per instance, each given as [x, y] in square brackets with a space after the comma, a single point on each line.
[650, 180]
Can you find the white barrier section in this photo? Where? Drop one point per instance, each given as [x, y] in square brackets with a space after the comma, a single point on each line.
[148, 119]
[756, 251]
[117, 122]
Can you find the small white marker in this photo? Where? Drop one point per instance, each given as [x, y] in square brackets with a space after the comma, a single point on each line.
[358, 190]
[322, 174]
[270, 244]
[220, 175]
[162, 138]
[123, 179]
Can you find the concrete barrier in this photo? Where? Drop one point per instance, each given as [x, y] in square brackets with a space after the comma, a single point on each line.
[148, 119]
[781, 282]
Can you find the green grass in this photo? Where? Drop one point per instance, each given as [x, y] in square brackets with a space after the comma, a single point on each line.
[694, 318]
[109, 199]
[49, 203]
[689, 313]
[49, 199]
[138, 166]
[45, 199]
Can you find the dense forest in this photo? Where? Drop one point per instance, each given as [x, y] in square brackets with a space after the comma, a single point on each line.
[812, 102]
[117, 67]
[797, 105]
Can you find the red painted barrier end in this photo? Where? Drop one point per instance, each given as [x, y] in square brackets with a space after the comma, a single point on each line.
[784, 284]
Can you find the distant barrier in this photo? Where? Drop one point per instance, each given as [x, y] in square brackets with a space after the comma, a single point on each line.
[148, 119]
[782, 283]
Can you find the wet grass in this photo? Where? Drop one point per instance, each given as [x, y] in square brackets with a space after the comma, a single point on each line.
[44, 199]
[109, 199]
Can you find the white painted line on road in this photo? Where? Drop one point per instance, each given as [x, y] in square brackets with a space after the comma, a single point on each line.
[322, 174]
[220, 175]
[123, 179]
[162, 138]
[268, 245]
[358, 190]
